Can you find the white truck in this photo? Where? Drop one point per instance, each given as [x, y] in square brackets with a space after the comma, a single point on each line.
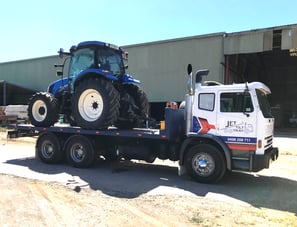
[218, 128]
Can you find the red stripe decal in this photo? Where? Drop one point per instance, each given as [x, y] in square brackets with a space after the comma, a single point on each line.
[245, 147]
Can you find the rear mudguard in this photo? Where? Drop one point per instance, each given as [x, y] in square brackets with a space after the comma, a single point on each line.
[61, 85]
[125, 79]
[128, 79]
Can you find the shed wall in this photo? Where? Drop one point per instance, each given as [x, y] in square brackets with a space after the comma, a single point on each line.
[161, 66]
[34, 74]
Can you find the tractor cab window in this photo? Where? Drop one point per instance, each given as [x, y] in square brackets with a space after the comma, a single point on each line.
[110, 60]
[81, 60]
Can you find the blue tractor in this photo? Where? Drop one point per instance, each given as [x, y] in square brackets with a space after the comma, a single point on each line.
[97, 93]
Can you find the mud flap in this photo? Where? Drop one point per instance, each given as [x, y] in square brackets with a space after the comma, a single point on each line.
[181, 170]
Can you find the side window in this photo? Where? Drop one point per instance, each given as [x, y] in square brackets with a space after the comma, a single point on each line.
[110, 60]
[206, 101]
[82, 59]
[239, 102]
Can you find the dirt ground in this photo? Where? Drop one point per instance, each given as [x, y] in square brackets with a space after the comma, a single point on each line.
[138, 194]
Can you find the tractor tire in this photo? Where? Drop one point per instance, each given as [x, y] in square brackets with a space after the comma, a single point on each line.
[95, 103]
[43, 109]
[134, 107]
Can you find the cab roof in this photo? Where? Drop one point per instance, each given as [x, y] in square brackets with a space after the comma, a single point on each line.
[242, 86]
[94, 44]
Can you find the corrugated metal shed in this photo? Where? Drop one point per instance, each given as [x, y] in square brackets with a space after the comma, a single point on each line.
[161, 66]
[35, 73]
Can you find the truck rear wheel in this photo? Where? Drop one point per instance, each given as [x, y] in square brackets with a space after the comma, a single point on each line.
[43, 109]
[48, 148]
[95, 103]
[205, 163]
[80, 151]
[134, 107]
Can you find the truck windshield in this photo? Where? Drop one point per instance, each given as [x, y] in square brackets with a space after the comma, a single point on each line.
[111, 60]
[263, 103]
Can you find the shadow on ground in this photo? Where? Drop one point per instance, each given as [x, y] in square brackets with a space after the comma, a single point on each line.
[127, 179]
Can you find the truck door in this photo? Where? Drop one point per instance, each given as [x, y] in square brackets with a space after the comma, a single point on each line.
[236, 120]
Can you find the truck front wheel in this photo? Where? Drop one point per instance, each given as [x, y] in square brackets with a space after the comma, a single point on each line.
[80, 151]
[48, 148]
[205, 163]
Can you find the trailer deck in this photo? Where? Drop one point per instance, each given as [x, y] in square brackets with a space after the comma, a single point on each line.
[170, 132]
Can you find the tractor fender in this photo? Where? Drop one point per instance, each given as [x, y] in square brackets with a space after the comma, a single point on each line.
[57, 86]
[194, 138]
[92, 73]
[128, 79]
[100, 72]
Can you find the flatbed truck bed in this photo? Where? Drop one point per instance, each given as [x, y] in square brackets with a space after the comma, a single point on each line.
[170, 132]
[205, 157]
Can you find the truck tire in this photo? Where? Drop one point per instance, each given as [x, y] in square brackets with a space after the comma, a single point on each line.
[48, 149]
[134, 107]
[43, 109]
[95, 103]
[80, 151]
[205, 163]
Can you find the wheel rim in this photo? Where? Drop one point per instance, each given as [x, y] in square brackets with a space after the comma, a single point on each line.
[203, 164]
[39, 110]
[47, 150]
[77, 152]
[90, 105]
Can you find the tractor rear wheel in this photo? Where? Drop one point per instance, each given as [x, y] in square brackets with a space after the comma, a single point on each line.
[134, 107]
[43, 109]
[95, 103]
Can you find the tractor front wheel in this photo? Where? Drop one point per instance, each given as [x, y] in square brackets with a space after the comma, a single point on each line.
[43, 109]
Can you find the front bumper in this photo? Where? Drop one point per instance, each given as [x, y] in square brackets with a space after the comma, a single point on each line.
[260, 162]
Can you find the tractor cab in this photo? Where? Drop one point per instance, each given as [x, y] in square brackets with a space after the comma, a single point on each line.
[96, 58]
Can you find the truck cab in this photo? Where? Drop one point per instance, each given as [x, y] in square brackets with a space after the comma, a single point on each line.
[235, 120]
[240, 116]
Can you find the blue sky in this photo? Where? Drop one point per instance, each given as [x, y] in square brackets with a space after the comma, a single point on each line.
[35, 28]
